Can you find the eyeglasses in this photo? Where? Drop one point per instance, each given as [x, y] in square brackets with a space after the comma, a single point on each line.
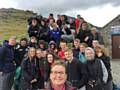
[56, 72]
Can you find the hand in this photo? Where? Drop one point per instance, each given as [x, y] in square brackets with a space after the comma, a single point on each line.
[1, 73]
[73, 31]
[33, 81]
[86, 39]
[35, 31]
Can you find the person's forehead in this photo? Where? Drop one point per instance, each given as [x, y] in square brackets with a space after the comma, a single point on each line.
[32, 49]
[95, 41]
[38, 51]
[58, 68]
[62, 43]
[23, 41]
[68, 52]
[89, 51]
[49, 55]
[12, 39]
[76, 42]
[82, 46]
[34, 20]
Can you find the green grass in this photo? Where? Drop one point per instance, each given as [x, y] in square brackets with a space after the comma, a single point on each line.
[13, 24]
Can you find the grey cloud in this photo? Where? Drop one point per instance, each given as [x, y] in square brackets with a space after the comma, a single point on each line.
[61, 6]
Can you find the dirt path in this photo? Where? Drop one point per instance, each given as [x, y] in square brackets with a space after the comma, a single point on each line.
[116, 70]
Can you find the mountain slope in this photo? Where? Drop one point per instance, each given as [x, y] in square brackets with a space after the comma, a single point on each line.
[13, 22]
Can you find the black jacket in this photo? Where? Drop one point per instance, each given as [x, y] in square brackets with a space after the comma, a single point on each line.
[106, 61]
[33, 31]
[76, 52]
[7, 59]
[83, 34]
[95, 75]
[28, 73]
[19, 54]
[76, 72]
[44, 68]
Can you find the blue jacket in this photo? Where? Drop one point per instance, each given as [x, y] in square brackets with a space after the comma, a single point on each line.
[82, 58]
[56, 35]
[7, 59]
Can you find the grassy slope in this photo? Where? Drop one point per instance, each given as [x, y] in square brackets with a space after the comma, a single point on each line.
[13, 22]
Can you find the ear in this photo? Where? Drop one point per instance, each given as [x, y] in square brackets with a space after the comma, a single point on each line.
[50, 76]
[66, 76]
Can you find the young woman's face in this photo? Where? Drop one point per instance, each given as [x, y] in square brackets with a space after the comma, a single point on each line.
[32, 52]
[33, 40]
[50, 58]
[41, 46]
[99, 52]
[52, 46]
[38, 53]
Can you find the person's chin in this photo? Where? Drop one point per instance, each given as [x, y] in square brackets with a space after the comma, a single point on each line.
[90, 59]
[59, 83]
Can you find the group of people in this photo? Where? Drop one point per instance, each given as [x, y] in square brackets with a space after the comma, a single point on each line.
[62, 54]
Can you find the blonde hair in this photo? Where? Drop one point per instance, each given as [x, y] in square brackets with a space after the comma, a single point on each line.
[77, 40]
[68, 50]
[54, 25]
[91, 49]
[93, 29]
[103, 50]
[59, 63]
[29, 51]
[84, 44]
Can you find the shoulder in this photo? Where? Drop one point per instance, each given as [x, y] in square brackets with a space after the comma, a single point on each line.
[69, 86]
[77, 61]
[3, 49]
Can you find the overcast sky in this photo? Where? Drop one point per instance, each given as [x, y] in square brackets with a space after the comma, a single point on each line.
[97, 12]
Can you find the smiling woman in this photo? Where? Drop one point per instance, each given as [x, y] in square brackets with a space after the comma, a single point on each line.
[58, 77]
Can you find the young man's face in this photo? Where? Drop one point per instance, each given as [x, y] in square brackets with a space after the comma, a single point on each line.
[84, 26]
[63, 45]
[58, 75]
[68, 55]
[34, 22]
[82, 48]
[12, 41]
[76, 44]
[23, 43]
[95, 44]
